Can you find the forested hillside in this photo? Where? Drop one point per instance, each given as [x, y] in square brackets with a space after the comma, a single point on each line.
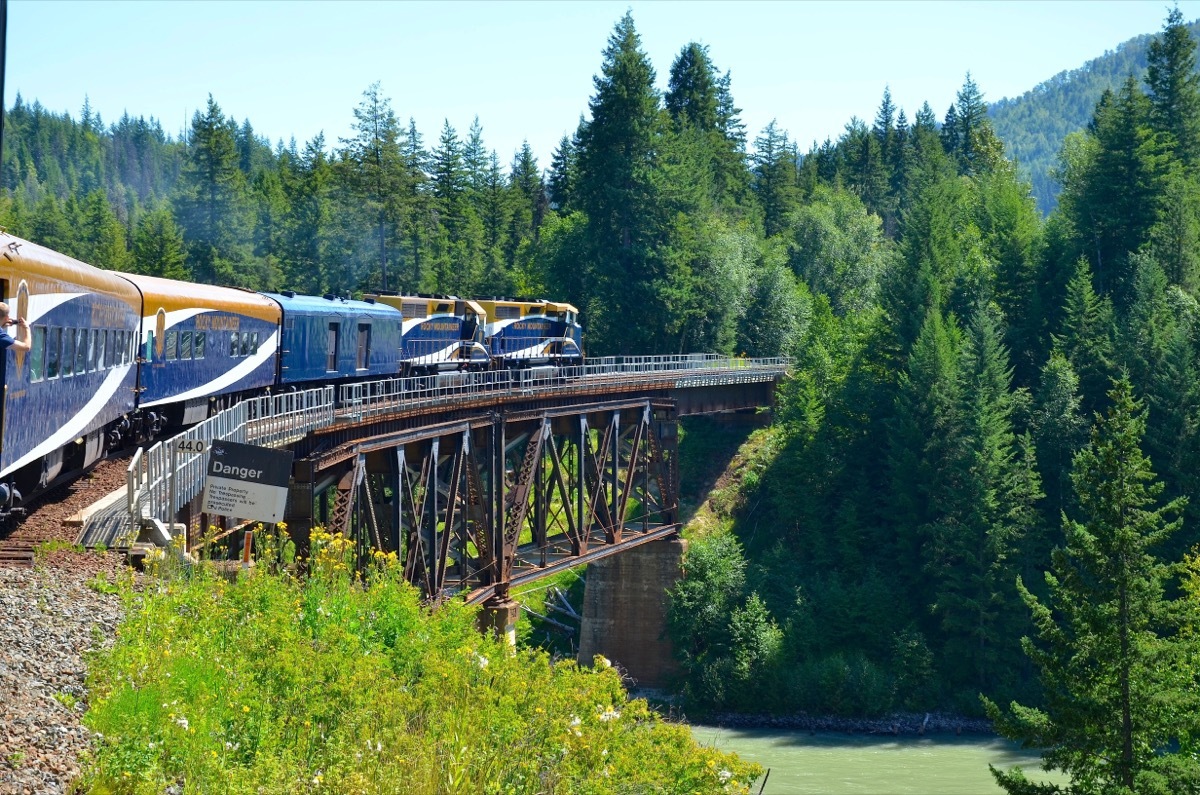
[992, 433]
[1034, 125]
[980, 395]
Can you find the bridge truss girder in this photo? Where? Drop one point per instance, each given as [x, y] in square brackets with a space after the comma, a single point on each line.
[482, 504]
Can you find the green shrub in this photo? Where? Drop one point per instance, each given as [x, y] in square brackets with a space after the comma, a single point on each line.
[840, 684]
[340, 683]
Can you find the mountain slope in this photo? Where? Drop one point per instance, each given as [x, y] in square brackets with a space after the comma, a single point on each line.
[1034, 125]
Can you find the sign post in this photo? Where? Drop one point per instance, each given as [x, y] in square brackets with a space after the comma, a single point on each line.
[246, 481]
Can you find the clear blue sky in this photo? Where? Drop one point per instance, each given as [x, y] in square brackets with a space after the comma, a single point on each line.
[296, 68]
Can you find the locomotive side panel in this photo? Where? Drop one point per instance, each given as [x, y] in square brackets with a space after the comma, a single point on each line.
[525, 333]
[439, 332]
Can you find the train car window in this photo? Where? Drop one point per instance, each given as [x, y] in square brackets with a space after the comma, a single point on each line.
[124, 346]
[245, 343]
[53, 351]
[102, 349]
[93, 346]
[331, 346]
[234, 343]
[172, 347]
[37, 355]
[364, 346]
[185, 345]
[81, 350]
[254, 342]
[67, 365]
[198, 346]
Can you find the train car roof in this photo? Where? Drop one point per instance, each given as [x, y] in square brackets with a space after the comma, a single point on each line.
[555, 306]
[171, 295]
[391, 298]
[29, 257]
[312, 304]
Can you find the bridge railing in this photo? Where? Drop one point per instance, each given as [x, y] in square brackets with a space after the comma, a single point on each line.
[367, 399]
[163, 478]
[279, 420]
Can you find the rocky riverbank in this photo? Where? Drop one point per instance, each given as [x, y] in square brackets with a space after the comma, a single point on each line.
[919, 724]
[48, 618]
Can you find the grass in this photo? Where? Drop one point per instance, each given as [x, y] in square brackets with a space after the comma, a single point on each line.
[340, 683]
[727, 463]
[46, 548]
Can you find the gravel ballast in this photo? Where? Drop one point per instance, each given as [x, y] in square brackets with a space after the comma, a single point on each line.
[49, 618]
[47, 615]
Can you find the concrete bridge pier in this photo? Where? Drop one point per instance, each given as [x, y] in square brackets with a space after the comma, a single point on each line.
[625, 610]
[498, 617]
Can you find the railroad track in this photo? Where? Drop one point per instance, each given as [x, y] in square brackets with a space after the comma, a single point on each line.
[46, 515]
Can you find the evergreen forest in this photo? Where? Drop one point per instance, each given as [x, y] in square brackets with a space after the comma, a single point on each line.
[977, 478]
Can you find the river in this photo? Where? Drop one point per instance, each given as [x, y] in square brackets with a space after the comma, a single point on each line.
[824, 763]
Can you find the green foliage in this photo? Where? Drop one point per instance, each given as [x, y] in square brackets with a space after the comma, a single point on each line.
[839, 249]
[1120, 693]
[1035, 125]
[269, 684]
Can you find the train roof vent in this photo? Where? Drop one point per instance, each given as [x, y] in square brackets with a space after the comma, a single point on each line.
[329, 296]
[289, 293]
[369, 299]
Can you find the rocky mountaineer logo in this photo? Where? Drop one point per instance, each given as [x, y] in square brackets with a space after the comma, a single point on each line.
[160, 332]
[22, 310]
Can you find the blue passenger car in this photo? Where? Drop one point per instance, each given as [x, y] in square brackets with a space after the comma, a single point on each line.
[78, 380]
[202, 346]
[330, 337]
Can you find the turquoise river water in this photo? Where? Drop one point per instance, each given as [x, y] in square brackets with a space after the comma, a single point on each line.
[802, 763]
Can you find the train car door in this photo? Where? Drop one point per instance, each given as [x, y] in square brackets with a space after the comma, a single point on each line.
[4, 368]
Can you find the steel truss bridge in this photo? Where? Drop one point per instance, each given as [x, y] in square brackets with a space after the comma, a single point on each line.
[478, 481]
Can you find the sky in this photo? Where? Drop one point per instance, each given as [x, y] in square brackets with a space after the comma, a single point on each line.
[297, 68]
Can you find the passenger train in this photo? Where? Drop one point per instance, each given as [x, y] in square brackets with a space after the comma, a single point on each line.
[117, 358]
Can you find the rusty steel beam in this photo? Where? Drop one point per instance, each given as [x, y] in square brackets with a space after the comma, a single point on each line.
[485, 502]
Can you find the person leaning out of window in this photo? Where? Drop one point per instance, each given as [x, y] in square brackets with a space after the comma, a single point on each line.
[21, 342]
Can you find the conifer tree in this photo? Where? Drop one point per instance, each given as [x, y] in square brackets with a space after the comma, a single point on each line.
[983, 499]
[774, 177]
[1113, 189]
[1086, 338]
[373, 165]
[618, 153]
[310, 230]
[563, 175]
[1174, 87]
[212, 202]
[923, 435]
[1119, 687]
[1059, 431]
[158, 248]
[415, 211]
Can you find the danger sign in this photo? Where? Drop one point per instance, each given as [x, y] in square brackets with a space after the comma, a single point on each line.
[247, 482]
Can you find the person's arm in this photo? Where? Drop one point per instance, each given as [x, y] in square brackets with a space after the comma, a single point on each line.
[22, 339]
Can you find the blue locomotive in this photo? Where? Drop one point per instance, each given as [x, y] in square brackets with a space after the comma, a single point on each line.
[118, 358]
